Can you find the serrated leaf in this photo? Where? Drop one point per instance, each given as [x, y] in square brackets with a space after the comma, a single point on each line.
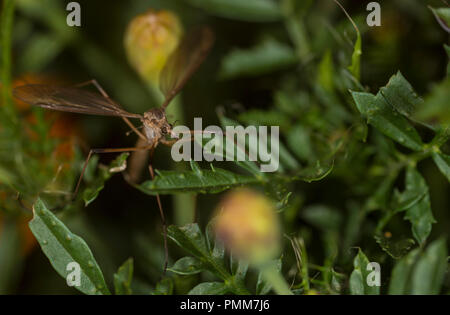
[400, 95]
[62, 247]
[268, 56]
[249, 166]
[190, 238]
[123, 278]
[428, 275]
[395, 248]
[386, 119]
[408, 198]
[419, 214]
[205, 181]
[442, 161]
[358, 278]
[209, 288]
[187, 266]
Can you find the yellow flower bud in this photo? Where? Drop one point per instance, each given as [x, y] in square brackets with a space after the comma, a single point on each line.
[149, 40]
[248, 225]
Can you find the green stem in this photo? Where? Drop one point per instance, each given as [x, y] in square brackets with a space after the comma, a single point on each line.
[184, 204]
[274, 277]
[7, 18]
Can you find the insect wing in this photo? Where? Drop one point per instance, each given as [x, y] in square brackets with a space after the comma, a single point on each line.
[184, 61]
[69, 100]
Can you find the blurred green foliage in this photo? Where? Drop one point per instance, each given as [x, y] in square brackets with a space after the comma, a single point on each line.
[364, 159]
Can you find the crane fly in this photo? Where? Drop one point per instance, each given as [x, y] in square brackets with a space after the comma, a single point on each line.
[180, 66]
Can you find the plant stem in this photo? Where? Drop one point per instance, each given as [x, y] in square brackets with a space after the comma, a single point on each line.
[273, 276]
[184, 204]
[7, 18]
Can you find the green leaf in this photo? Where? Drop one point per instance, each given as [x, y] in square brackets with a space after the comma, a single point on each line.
[249, 166]
[358, 278]
[442, 161]
[419, 214]
[123, 278]
[262, 286]
[355, 67]
[268, 56]
[41, 49]
[209, 288]
[400, 95]
[97, 183]
[322, 217]
[249, 10]
[62, 247]
[199, 181]
[239, 268]
[386, 119]
[164, 287]
[428, 275]
[436, 109]
[326, 72]
[316, 172]
[191, 239]
[395, 248]
[299, 141]
[401, 273]
[337, 281]
[443, 17]
[187, 266]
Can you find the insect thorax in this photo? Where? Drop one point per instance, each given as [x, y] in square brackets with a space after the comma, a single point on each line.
[155, 125]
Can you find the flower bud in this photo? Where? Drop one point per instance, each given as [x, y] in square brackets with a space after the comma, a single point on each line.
[149, 40]
[248, 225]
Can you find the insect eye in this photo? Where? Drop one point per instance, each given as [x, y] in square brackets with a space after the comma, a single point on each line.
[164, 130]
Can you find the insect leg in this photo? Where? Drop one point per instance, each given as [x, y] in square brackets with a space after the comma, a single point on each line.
[110, 150]
[161, 212]
[105, 95]
[170, 143]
